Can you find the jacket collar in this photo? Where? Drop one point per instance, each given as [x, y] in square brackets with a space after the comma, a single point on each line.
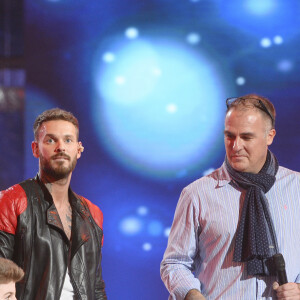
[80, 216]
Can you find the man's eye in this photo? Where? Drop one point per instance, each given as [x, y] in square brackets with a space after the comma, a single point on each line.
[68, 140]
[50, 141]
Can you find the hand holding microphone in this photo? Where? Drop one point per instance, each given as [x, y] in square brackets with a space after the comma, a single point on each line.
[290, 290]
[279, 264]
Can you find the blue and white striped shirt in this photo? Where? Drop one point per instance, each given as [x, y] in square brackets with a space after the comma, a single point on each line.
[200, 248]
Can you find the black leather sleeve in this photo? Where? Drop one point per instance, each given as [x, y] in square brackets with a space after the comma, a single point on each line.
[100, 285]
[100, 291]
[7, 242]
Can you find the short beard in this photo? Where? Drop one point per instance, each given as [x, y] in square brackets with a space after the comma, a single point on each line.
[59, 172]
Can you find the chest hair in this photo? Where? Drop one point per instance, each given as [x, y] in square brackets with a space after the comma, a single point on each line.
[65, 214]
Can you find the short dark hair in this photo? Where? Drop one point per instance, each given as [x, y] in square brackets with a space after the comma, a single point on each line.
[9, 271]
[252, 101]
[54, 114]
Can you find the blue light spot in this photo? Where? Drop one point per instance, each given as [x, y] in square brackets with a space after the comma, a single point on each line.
[155, 228]
[262, 17]
[285, 65]
[240, 81]
[171, 108]
[156, 71]
[108, 57]
[131, 33]
[120, 80]
[167, 231]
[131, 226]
[260, 7]
[152, 120]
[265, 42]
[142, 210]
[147, 246]
[193, 38]
[278, 40]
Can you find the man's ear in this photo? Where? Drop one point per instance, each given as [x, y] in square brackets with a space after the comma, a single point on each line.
[35, 149]
[270, 137]
[80, 149]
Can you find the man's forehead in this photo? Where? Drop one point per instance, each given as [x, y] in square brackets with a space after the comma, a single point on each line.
[237, 117]
[250, 113]
[246, 123]
[57, 127]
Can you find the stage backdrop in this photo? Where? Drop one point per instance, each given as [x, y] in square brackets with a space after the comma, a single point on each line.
[148, 81]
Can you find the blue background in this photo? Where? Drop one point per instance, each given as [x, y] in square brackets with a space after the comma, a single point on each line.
[148, 82]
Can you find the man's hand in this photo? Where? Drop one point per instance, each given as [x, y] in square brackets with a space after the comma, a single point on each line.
[194, 295]
[288, 291]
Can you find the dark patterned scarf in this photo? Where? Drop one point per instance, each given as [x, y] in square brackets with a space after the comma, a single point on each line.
[256, 240]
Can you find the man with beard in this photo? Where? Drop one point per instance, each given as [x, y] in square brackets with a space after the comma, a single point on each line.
[53, 234]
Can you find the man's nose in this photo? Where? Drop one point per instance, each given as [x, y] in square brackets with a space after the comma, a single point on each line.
[60, 146]
[237, 144]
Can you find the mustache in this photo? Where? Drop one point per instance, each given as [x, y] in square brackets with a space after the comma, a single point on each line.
[59, 155]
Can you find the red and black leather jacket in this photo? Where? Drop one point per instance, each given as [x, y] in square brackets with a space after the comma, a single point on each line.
[32, 235]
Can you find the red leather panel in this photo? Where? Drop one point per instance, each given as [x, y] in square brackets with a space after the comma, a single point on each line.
[13, 202]
[96, 213]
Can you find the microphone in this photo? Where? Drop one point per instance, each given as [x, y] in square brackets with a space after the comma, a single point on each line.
[280, 268]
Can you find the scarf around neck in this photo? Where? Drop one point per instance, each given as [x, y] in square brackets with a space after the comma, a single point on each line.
[256, 240]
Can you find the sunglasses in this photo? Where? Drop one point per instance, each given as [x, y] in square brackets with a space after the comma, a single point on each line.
[260, 105]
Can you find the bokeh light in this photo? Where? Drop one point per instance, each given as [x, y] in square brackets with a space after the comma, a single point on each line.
[173, 122]
[266, 42]
[131, 225]
[259, 7]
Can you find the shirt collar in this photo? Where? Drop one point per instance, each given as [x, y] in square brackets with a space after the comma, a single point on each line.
[223, 176]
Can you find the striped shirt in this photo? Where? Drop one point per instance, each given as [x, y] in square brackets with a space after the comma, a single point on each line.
[200, 248]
